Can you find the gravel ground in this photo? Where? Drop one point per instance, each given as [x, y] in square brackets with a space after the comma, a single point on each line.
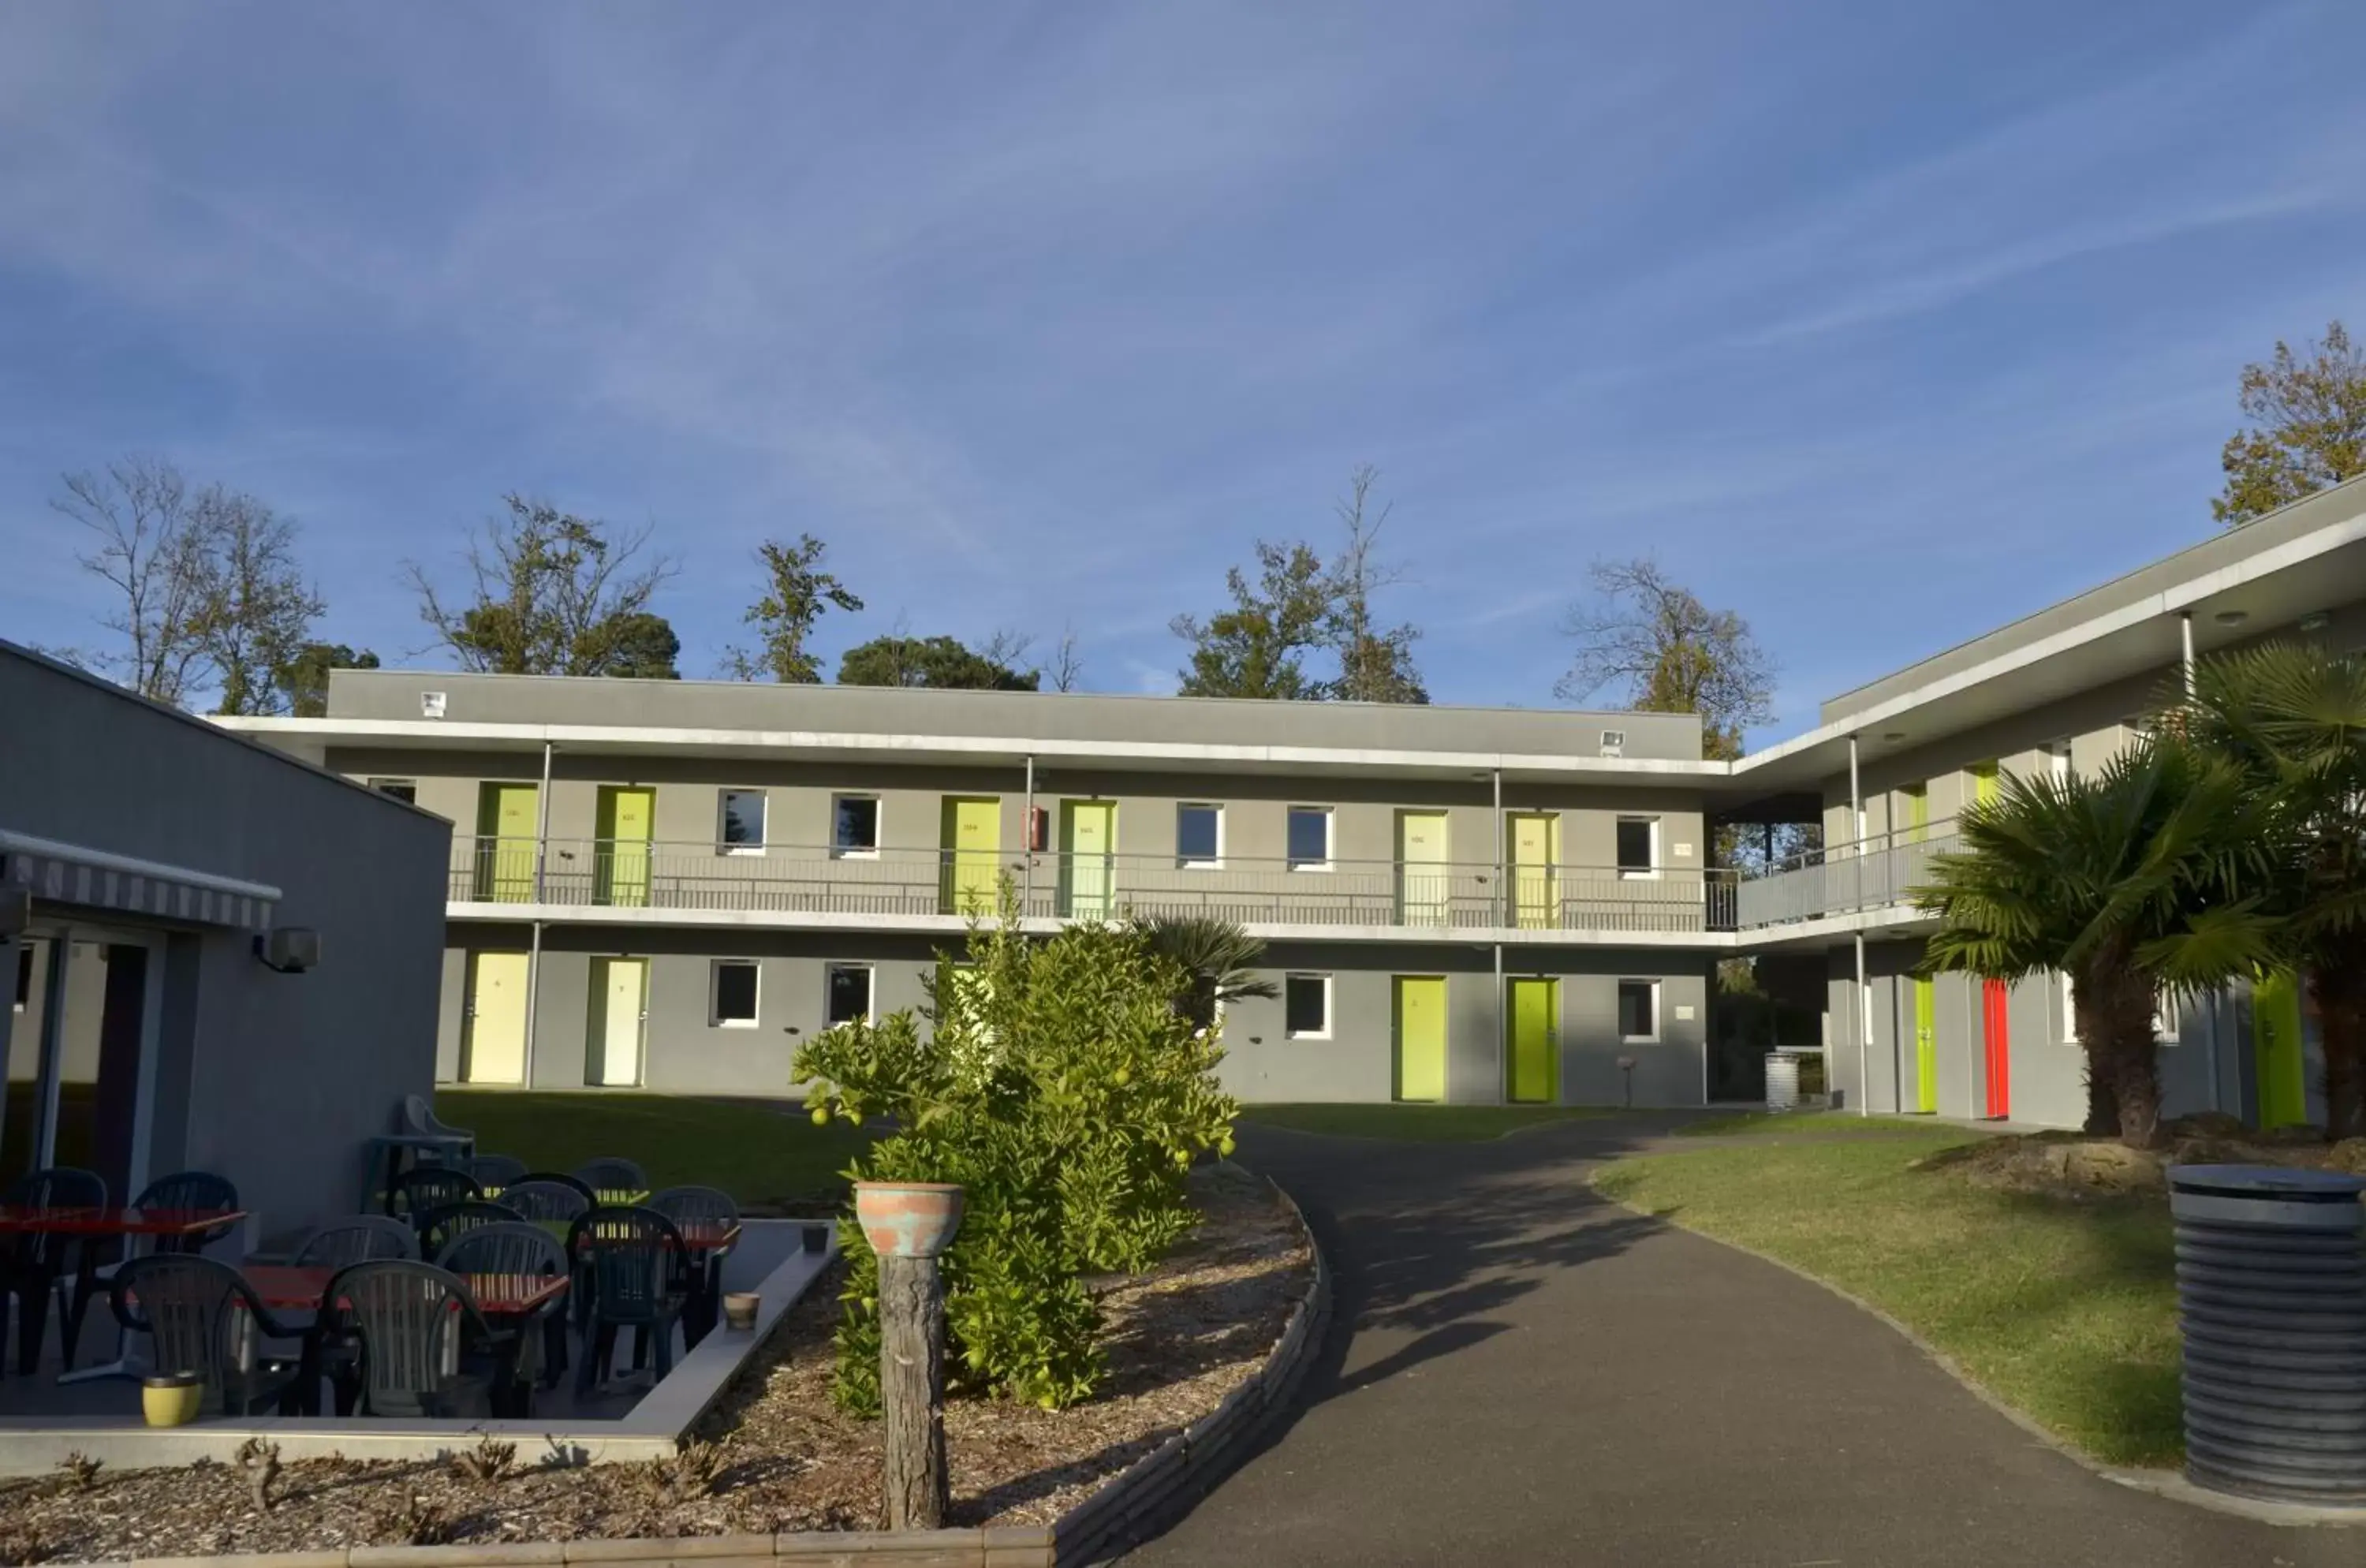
[776, 1454]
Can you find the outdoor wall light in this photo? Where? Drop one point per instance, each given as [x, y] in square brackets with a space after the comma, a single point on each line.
[2315, 622]
[1893, 734]
[2231, 617]
[289, 949]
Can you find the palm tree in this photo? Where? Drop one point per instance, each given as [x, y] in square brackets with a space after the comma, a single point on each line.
[2128, 881]
[2292, 716]
[1218, 956]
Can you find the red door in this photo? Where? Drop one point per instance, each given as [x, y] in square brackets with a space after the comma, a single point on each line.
[1997, 1033]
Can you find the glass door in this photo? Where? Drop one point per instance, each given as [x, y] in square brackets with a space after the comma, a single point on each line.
[79, 1036]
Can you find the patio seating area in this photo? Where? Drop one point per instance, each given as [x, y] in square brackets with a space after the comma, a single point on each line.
[469, 1292]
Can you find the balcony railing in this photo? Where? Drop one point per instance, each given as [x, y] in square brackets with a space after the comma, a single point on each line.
[1845, 879]
[801, 879]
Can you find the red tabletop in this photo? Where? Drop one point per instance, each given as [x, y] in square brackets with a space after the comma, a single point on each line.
[284, 1285]
[17, 1220]
[709, 1236]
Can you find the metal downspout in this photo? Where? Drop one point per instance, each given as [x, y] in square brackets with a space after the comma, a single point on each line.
[1503, 913]
[1863, 1034]
[534, 947]
[1026, 845]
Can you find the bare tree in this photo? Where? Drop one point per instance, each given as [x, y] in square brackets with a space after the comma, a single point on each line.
[258, 609]
[1670, 652]
[153, 546]
[552, 593]
[1375, 665]
[1066, 671]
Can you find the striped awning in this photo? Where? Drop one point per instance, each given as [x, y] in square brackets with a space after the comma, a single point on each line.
[68, 874]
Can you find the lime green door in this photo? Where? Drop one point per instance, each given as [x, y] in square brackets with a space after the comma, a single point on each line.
[1536, 876]
[1926, 1046]
[2278, 1051]
[626, 818]
[508, 818]
[1984, 782]
[1916, 799]
[973, 853]
[1088, 834]
[1532, 1054]
[1421, 868]
[493, 1050]
[1420, 1015]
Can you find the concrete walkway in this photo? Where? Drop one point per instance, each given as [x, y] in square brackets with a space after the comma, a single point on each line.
[1520, 1372]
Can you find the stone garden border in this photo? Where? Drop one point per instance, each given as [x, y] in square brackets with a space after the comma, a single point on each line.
[1138, 1501]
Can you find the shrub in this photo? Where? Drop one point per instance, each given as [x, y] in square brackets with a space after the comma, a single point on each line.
[1065, 1090]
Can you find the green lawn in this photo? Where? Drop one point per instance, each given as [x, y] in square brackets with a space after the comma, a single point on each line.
[1415, 1123]
[761, 1154]
[2066, 1311]
[1800, 1122]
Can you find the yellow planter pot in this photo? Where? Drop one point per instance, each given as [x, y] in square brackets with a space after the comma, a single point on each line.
[172, 1401]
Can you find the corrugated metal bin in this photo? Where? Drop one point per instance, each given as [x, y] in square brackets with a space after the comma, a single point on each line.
[2272, 1299]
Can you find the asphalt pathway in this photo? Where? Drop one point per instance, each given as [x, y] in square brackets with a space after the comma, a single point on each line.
[1521, 1373]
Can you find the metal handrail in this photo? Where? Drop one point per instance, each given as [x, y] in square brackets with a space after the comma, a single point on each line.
[801, 879]
[1870, 874]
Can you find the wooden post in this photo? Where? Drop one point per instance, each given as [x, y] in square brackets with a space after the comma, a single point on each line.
[912, 1390]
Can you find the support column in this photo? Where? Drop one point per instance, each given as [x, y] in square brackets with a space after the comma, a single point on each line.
[1503, 1053]
[1856, 797]
[1027, 846]
[1863, 1025]
[2185, 641]
[534, 948]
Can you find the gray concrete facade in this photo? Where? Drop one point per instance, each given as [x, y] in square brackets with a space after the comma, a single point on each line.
[273, 1080]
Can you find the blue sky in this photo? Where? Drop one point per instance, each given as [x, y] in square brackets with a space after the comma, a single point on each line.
[1879, 323]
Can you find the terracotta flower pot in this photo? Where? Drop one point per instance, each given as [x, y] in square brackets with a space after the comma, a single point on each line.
[908, 1219]
[171, 1399]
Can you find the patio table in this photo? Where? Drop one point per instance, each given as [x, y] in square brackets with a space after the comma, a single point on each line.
[90, 1225]
[284, 1285]
[17, 1219]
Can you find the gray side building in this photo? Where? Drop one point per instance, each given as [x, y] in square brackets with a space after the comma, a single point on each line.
[142, 853]
[669, 884]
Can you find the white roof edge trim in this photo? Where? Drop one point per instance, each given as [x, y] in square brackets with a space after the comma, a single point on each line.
[77, 854]
[362, 729]
[2169, 601]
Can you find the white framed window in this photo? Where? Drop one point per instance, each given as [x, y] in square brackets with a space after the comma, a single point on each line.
[1639, 846]
[404, 790]
[846, 994]
[1309, 838]
[733, 988]
[739, 822]
[1639, 1010]
[1306, 1007]
[854, 826]
[1199, 836]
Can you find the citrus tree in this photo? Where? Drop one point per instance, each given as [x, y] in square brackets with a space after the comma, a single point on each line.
[1060, 1084]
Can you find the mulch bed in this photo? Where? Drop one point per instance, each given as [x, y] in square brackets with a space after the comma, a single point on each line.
[775, 1454]
[2075, 1166]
